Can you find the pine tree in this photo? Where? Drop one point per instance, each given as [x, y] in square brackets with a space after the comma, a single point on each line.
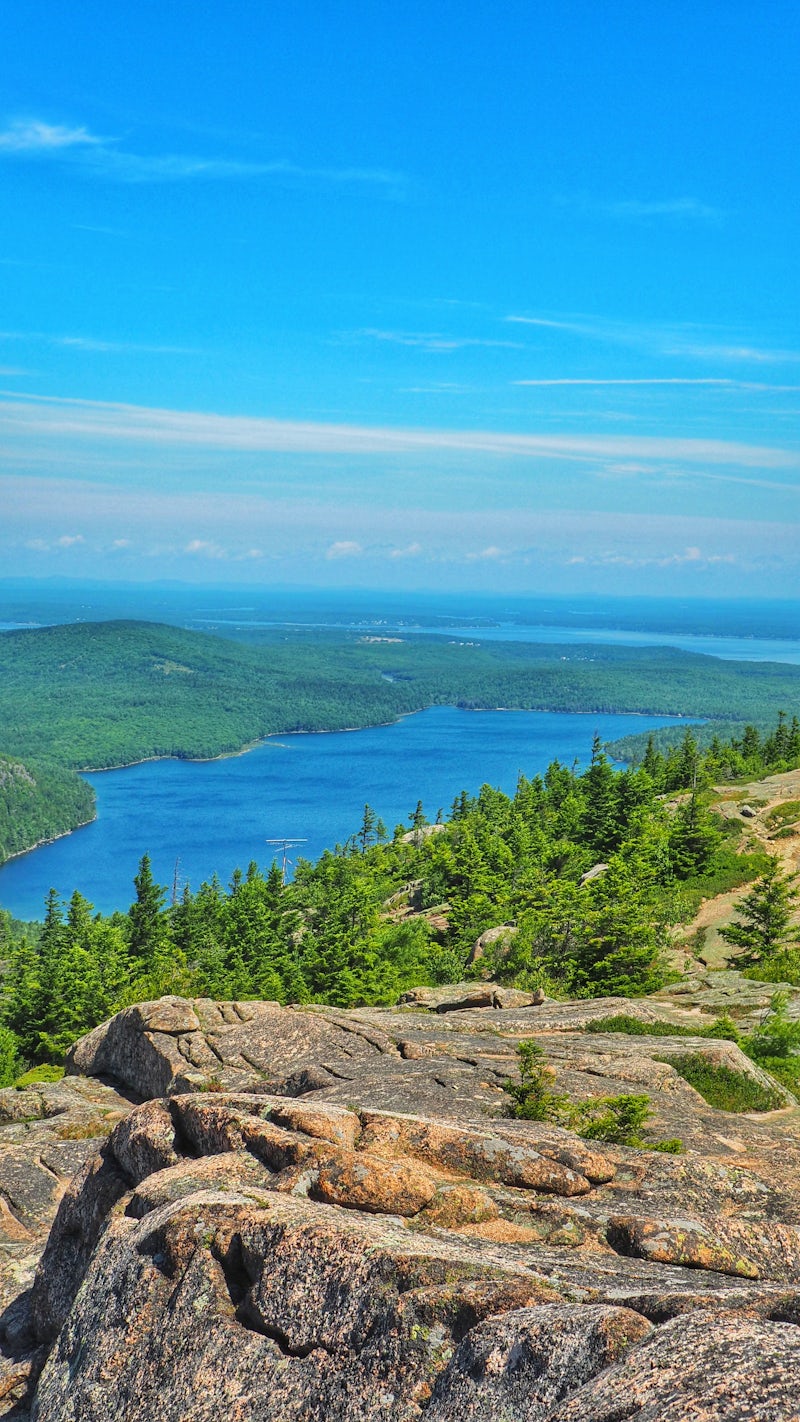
[366, 834]
[145, 915]
[693, 838]
[764, 926]
[599, 826]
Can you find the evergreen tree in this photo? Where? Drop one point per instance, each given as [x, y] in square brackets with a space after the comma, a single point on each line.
[599, 823]
[693, 838]
[764, 925]
[145, 915]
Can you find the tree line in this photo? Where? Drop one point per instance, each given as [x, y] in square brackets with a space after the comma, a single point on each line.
[585, 874]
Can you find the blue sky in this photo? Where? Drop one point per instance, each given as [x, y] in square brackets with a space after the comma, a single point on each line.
[434, 294]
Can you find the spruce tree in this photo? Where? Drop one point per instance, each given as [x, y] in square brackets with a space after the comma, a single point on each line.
[764, 926]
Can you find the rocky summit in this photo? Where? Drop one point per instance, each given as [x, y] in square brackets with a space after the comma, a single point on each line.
[267, 1214]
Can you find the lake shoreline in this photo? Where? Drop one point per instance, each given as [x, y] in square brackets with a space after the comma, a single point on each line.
[215, 814]
[250, 746]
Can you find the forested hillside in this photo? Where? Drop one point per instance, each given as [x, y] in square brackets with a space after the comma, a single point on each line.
[583, 876]
[94, 695]
[39, 802]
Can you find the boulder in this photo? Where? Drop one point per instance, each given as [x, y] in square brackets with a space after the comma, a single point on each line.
[237, 1255]
[319, 1213]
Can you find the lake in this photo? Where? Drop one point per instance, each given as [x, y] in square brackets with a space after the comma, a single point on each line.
[217, 815]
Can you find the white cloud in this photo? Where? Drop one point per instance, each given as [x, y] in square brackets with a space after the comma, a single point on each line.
[34, 136]
[489, 553]
[755, 355]
[103, 157]
[68, 540]
[346, 548]
[205, 548]
[682, 207]
[91, 343]
[412, 551]
[689, 556]
[30, 417]
[121, 543]
[683, 341]
[648, 380]
[434, 340]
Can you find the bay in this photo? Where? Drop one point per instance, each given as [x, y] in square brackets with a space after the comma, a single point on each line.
[214, 816]
[727, 647]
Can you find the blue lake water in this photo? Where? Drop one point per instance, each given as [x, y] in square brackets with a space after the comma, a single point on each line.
[217, 815]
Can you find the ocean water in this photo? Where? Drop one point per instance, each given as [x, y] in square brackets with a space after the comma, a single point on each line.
[215, 816]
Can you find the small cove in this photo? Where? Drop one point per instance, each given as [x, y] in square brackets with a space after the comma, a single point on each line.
[213, 816]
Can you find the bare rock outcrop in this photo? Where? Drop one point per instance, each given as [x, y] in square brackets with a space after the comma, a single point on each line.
[325, 1214]
[47, 1133]
[241, 1255]
[176, 1044]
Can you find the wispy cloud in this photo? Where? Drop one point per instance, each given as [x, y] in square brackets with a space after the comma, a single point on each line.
[720, 380]
[94, 344]
[755, 355]
[65, 540]
[682, 207]
[434, 340]
[70, 419]
[292, 528]
[691, 555]
[413, 550]
[489, 554]
[32, 136]
[632, 380]
[689, 341]
[90, 153]
[674, 209]
[204, 548]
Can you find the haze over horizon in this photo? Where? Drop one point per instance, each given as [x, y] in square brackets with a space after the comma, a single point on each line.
[429, 297]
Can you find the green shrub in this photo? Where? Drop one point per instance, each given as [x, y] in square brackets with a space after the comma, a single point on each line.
[777, 1035]
[532, 1097]
[727, 870]
[615, 1119]
[9, 1057]
[622, 1022]
[784, 814]
[37, 1075]
[723, 1087]
[786, 1070]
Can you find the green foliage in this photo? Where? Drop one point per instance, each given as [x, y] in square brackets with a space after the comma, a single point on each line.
[777, 1037]
[9, 1057]
[722, 1086]
[39, 802]
[784, 814]
[39, 1076]
[725, 871]
[618, 1120]
[112, 693]
[765, 927]
[532, 1096]
[378, 916]
[630, 1026]
[678, 760]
